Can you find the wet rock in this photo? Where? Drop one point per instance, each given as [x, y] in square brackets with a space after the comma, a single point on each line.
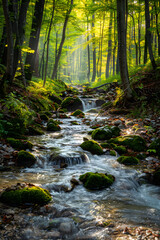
[61, 160]
[117, 122]
[92, 146]
[72, 104]
[99, 102]
[25, 159]
[66, 228]
[128, 160]
[96, 181]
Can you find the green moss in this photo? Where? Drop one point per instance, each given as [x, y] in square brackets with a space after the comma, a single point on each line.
[105, 145]
[32, 195]
[115, 131]
[34, 130]
[112, 153]
[25, 159]
[128, 160]
[156, 145]
[55, 99]
[19, 144]
[120, 149]
[78, 113]
[53, 126]
[102, 134]
[71, 103]
[96, 181]
[92, 146]
[136, 143]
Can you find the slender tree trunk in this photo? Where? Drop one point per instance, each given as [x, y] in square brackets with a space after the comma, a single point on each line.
[57, 59]
[157, 26]
[48, 38]
[88, 53]
[139, 38]
[94, 49]
[8, 76]
[148, 34]
[134, 36]
[20, 32]
[109, 45]
[115, 44]
[2, 43]
[34, 38]
[121, 23]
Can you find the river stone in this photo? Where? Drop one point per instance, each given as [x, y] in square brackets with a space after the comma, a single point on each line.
[66, 227]
[59, 159]
[99, 102]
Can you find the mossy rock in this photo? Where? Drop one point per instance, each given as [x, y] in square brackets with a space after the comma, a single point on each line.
[112, 153]
[72, 104]
[156, 145]
[44, 117]
[128, 160]
[105, 133]
[96, 181]
[105, 145]
[92, 146]
[29, 195]
[78, 113]
[53, 126]
[120, 149]
[136, 143]
[55, 99]
[19, 144]
[101, 134]
[156, 177]
[34, 131]
[25, 159]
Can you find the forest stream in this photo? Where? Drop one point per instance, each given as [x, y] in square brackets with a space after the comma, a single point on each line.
[80, 213]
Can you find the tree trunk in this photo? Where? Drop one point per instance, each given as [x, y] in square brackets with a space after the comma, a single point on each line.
[62, 41]
[48, 38]
[88, 53]
[94, 49]
[148, 34]
[109, 45]
[34, 38]
[8, 76]
[121, 22]
[157, 26]
[3, 43]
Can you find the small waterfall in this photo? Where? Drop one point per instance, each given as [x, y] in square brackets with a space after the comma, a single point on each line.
[88, 103]
[69, 160]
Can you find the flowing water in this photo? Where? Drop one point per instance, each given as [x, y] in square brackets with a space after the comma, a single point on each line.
[125, 202]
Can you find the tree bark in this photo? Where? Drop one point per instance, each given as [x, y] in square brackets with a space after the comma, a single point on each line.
[148, 34]
[48, 38]
[34, 38]
[121, 23]
[94, 49]
[88, 53]
[109, 45]
[57, 59]
[157, 26]
[2, 43]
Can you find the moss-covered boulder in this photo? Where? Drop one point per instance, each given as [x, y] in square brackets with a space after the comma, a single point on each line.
[128, 160]
[156, 145]
[101, 134]
[34, 131]
[55, 99]
[78, 113]
[25, 159]
[96, 181]
[136, 143]
[92, 146]
[120, 149]
[72, 103]
[19, 144]
[53, 126]
[105, 133]
[25, 194]
[156, 177]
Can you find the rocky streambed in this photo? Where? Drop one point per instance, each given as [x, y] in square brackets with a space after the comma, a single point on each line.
[128, 209]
